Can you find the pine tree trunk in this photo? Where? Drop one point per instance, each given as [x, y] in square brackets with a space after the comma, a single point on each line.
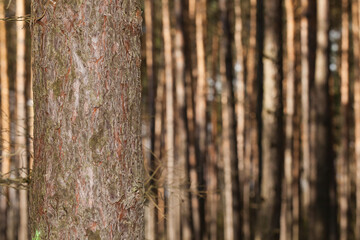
[20, 141]
[240, 103]
[181, 134]
[342, 165]
[5, 121]
[231, 184]
[356, 106]
[321, 162]
[305, 111]
[268, 219]
[251, 122]
[200, 103]
[173, 208]
[286, 213]
[150, 220]
[87, 181]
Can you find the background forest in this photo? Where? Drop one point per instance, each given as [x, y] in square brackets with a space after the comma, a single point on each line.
[251, 119]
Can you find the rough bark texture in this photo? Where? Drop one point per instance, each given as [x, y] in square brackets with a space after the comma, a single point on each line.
[271, 170]
[87, 181]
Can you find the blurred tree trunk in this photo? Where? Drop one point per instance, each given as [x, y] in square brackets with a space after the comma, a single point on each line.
[286, 208]
[190, 82]
[239, 105]
[159, 152]
[212, 181]
[88, 173]
[356, 50]
[268, 219]
[320, 165]
[305, 111]
[200, 103]
[251, 157]
[173, 209]
[181, 133]
[342, 165]
[150, 220]
[5, 121]
[20, 137]
[231, 184]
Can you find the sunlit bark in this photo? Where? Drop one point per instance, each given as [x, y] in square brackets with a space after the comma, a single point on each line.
[5, 118]
[87, 181]
[356, 44]
[231, 213]
[173, 208]
[268, 219]
[240, 100]
[20, 137]
[150, 221]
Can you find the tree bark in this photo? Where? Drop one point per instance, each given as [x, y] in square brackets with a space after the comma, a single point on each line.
[251, 159]
[231, 212]
[240, 105]
[88, 172]
[5, 120]
[181, 133]
[305, 111]
[268, 220]
[356, 106]
[321, 162]
[286, 213]
[173, 209]
[150, 220]
[20, 141]
[342, 166]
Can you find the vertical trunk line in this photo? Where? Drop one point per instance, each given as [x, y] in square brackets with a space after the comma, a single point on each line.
[20, 137]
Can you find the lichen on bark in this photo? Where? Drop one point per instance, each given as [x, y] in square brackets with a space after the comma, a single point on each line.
[88, 172]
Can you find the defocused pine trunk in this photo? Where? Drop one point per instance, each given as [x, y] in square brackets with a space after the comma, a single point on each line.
[268, 218]
[321, 161]
[356, 106]
[286, 208]
[20, 129]
[5, 121]
[180, 123]
[239, 105]
[305, 111]
[251, 157]
[173, 201]
[201, 103]
[190, 83]
[342, 165]
[213, 148]
[87, 180]
[231, 212]
[150, 220]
